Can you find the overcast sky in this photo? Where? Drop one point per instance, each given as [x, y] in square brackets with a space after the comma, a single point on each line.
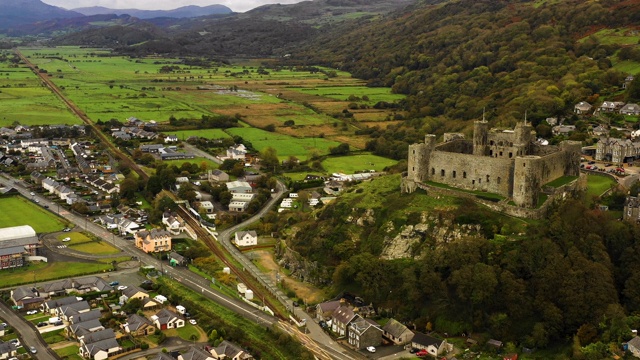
[235, 5]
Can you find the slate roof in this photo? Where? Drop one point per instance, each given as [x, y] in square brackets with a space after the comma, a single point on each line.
[635, 342]
[329, 305]
[135, 322]
[132, 290]
[426, 340]
[99, 336]
[85, 327]
[394, 328]
[106, 344]
[196, 354]
[344, 314]
[228, 348]
[7, 348]
[165, 316]
[87, 316]
[61, 302]
[21, 293]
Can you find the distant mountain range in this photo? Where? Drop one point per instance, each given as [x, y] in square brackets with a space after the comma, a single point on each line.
[19, 12]
[19, 15]
[181, 12]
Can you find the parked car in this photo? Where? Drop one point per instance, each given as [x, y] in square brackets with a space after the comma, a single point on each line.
[31, 312]
[422, 352]
[114, 283]
[122, 287]
[193, 322]
[66, 239]
[33, 349]
[591, 162]
[66, 229]
[42, 323]
[371, 349]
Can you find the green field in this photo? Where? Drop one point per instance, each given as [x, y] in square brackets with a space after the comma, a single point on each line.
[343, 92]
[40, 271]
[353, 163]
[284, 145]
[95, 248]
[16, 211]
[598, 184]
[203, 133]
[623, 36]
[69, 352]
[197, 160]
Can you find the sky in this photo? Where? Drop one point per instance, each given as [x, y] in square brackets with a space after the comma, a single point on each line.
[235, 5]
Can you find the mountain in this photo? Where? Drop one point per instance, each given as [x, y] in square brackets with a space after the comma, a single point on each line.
[20, 12]
[181, 12]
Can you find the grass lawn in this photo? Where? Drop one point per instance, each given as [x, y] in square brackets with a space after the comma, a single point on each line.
[95, 247]
[16, 211]
[360, 162]
[598, 184]
[53, 337]
[561, 181]
[186, 332]
[68, 352]
[76, 237]
[41, 271]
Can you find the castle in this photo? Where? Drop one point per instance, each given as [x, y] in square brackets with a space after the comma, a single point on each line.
[504, 162]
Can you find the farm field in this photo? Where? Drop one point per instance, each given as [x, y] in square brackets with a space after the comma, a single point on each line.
[115, 87]
[203, 133]
[284, 145]
[23, 99]
[24, 212]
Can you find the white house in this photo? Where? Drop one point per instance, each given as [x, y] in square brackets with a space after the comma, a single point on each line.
[246, 238]
[238, 206]
[239, 187]
[207, 206]
[237, 152]
[435, 347]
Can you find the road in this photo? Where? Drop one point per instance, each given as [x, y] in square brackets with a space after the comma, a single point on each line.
[186, 277]
[28, 334]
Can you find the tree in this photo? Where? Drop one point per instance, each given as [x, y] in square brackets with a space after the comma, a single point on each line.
[342, 149]
[269, 157]
[128, 189]
[186, 192]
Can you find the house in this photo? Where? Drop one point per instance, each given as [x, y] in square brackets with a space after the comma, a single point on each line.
[151, 148]
[176, 259]
[100, 350]
[325, 309]
[610, 106]
[364, 333]
[341, 318]
[217, 175]
[182, 180]
[582, 108]
[195, 353]
[563, 129]
[239, 187]
[133, 292]
[52, 305]
[237, 152]
[67, 312]
[229, 351]
[7, 350]
[397, 332]
[633, 346]
[630, 109]
[173, 223]
[81, 329]
[87, 316]
[167, 319]
[126, 226]
[153, 241]
[600, 131]
[246, 238]
[495, 343]
[206, 206]
[631, 210]
[434, 347]
[163, 356]
[150, 304]
[137, 325]
[26, 299]
[171, 139]
[246, 197]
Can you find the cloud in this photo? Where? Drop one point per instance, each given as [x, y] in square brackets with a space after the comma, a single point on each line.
[235, 5]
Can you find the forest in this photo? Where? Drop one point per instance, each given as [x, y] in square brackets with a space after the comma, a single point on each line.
[574, 275]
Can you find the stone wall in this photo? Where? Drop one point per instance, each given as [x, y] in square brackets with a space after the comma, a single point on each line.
[471, 172]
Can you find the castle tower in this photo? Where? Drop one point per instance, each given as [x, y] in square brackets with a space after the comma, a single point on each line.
[419, 155]
[526, 181]
[523, 137]
[480, 133]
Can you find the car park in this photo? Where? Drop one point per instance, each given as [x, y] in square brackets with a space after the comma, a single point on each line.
[371, 349]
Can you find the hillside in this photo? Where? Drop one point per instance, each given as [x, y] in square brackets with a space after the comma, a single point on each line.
[450, 263]
[181, 12]
[458, 58]
[20, 12]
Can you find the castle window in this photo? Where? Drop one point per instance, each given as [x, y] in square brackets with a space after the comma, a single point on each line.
[510, 155]
[490, 152]
[524, 164]
[473, 182]
[433, 171]
[464, 174]
[487, 178]
[491, 142]
[442, 172]
[500, 153]
[414, 151]
[454, 174]
[498, 180]
[413, 168]
[480, 181]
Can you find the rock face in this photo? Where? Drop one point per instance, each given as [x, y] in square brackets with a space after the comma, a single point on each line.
[433, 231]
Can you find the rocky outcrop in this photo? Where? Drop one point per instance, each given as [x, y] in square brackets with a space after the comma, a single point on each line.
[413, 240]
